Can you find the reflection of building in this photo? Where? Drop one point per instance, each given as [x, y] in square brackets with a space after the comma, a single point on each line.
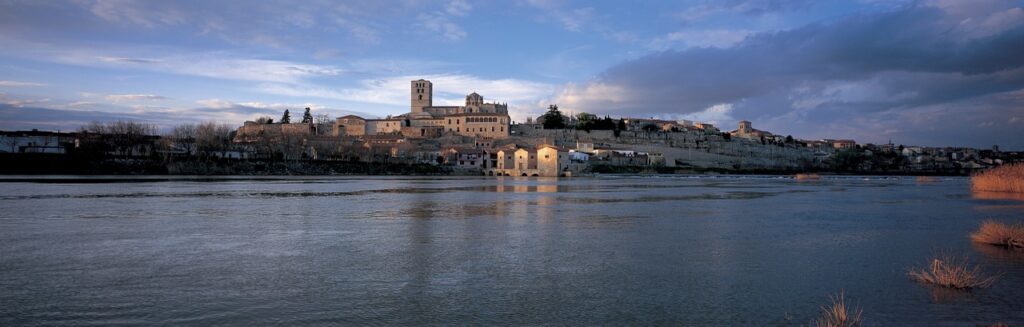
[476, 118]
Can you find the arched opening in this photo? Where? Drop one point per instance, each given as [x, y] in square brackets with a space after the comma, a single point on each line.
[490, 173]
[535, 175]
[524, 175]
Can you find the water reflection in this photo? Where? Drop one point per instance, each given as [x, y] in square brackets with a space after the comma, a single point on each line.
[983, 195]
[999, 253]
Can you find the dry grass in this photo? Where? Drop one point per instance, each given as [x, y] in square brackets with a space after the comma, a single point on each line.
[996, 233]
[926, 179]
[838, 314]
[1005, 178]
[952, 272]
[808, 177]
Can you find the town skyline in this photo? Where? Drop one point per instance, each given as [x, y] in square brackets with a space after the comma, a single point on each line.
[867, 71]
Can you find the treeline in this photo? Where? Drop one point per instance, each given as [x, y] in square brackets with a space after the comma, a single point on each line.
[130, 139]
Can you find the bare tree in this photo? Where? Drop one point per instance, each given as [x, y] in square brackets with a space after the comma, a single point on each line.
[324, 124]
[125, 137]
[213, 137]
[184, 136]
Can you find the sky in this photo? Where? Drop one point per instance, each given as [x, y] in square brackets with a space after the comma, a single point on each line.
[928, 72]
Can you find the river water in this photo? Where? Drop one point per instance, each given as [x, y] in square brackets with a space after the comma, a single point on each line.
[619, 250]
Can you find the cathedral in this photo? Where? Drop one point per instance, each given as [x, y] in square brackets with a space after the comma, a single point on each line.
[476, 118]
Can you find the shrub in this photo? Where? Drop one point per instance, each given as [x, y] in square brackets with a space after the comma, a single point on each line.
[807, 177]
[952, 272]
[1005, 178]
[926, 179]
[996, 233]
[838, 314]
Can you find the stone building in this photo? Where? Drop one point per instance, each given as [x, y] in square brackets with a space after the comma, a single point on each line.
[746, 130]
[476, 118]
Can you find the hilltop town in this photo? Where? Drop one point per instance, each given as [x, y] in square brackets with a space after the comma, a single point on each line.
[477, 138]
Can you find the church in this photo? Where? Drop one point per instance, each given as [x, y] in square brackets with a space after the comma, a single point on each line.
[424, 120]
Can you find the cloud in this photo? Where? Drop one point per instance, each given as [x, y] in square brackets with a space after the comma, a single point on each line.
[807, 79]
[449, 89]
[458, 8]
[714, 38]
[134, 97]
[712, 8]
[572, 19]
[19, 84]
[439, 23]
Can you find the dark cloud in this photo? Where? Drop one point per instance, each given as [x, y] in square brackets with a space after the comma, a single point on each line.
[826, 72]
[24, 118]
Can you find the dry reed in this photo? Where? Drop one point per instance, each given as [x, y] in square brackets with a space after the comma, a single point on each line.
[926, 179]
[996, 233]
[808, 177]
[838, 314]
[952, 272]
[1005, 178]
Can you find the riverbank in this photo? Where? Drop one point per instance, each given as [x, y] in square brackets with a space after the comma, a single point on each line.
[60, 164]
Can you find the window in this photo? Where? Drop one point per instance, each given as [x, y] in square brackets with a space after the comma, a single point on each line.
[547, 156]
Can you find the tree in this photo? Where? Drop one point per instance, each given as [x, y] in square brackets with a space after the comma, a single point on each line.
[789, 138]
[265, 120]
[553, 118]
[126, 138]
[307, 118]
[213, 137]
[325, 125]
[286, 118]
[184, 136]
[726, 136]
[622, 124]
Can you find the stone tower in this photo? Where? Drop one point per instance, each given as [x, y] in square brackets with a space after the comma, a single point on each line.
[422, 94]
[745, 127]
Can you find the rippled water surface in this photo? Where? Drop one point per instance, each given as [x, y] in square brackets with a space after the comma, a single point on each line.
[414, 251]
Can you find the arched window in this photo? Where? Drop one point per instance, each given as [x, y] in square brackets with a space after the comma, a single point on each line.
[421, 97]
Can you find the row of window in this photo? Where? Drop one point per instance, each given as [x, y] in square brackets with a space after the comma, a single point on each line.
[481, 129]
[481, 119]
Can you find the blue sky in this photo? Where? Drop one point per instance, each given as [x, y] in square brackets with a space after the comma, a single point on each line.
[918, 72]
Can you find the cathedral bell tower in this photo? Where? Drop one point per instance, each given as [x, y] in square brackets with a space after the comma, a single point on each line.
[422, 94]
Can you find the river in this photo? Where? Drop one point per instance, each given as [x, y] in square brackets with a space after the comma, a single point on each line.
[619, 250]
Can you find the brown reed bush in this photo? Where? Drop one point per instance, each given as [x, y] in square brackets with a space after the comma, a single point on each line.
[1005, 178]
[807, 177]
[952, 272]
[926, 179]
[996, 233]
[838, 314]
